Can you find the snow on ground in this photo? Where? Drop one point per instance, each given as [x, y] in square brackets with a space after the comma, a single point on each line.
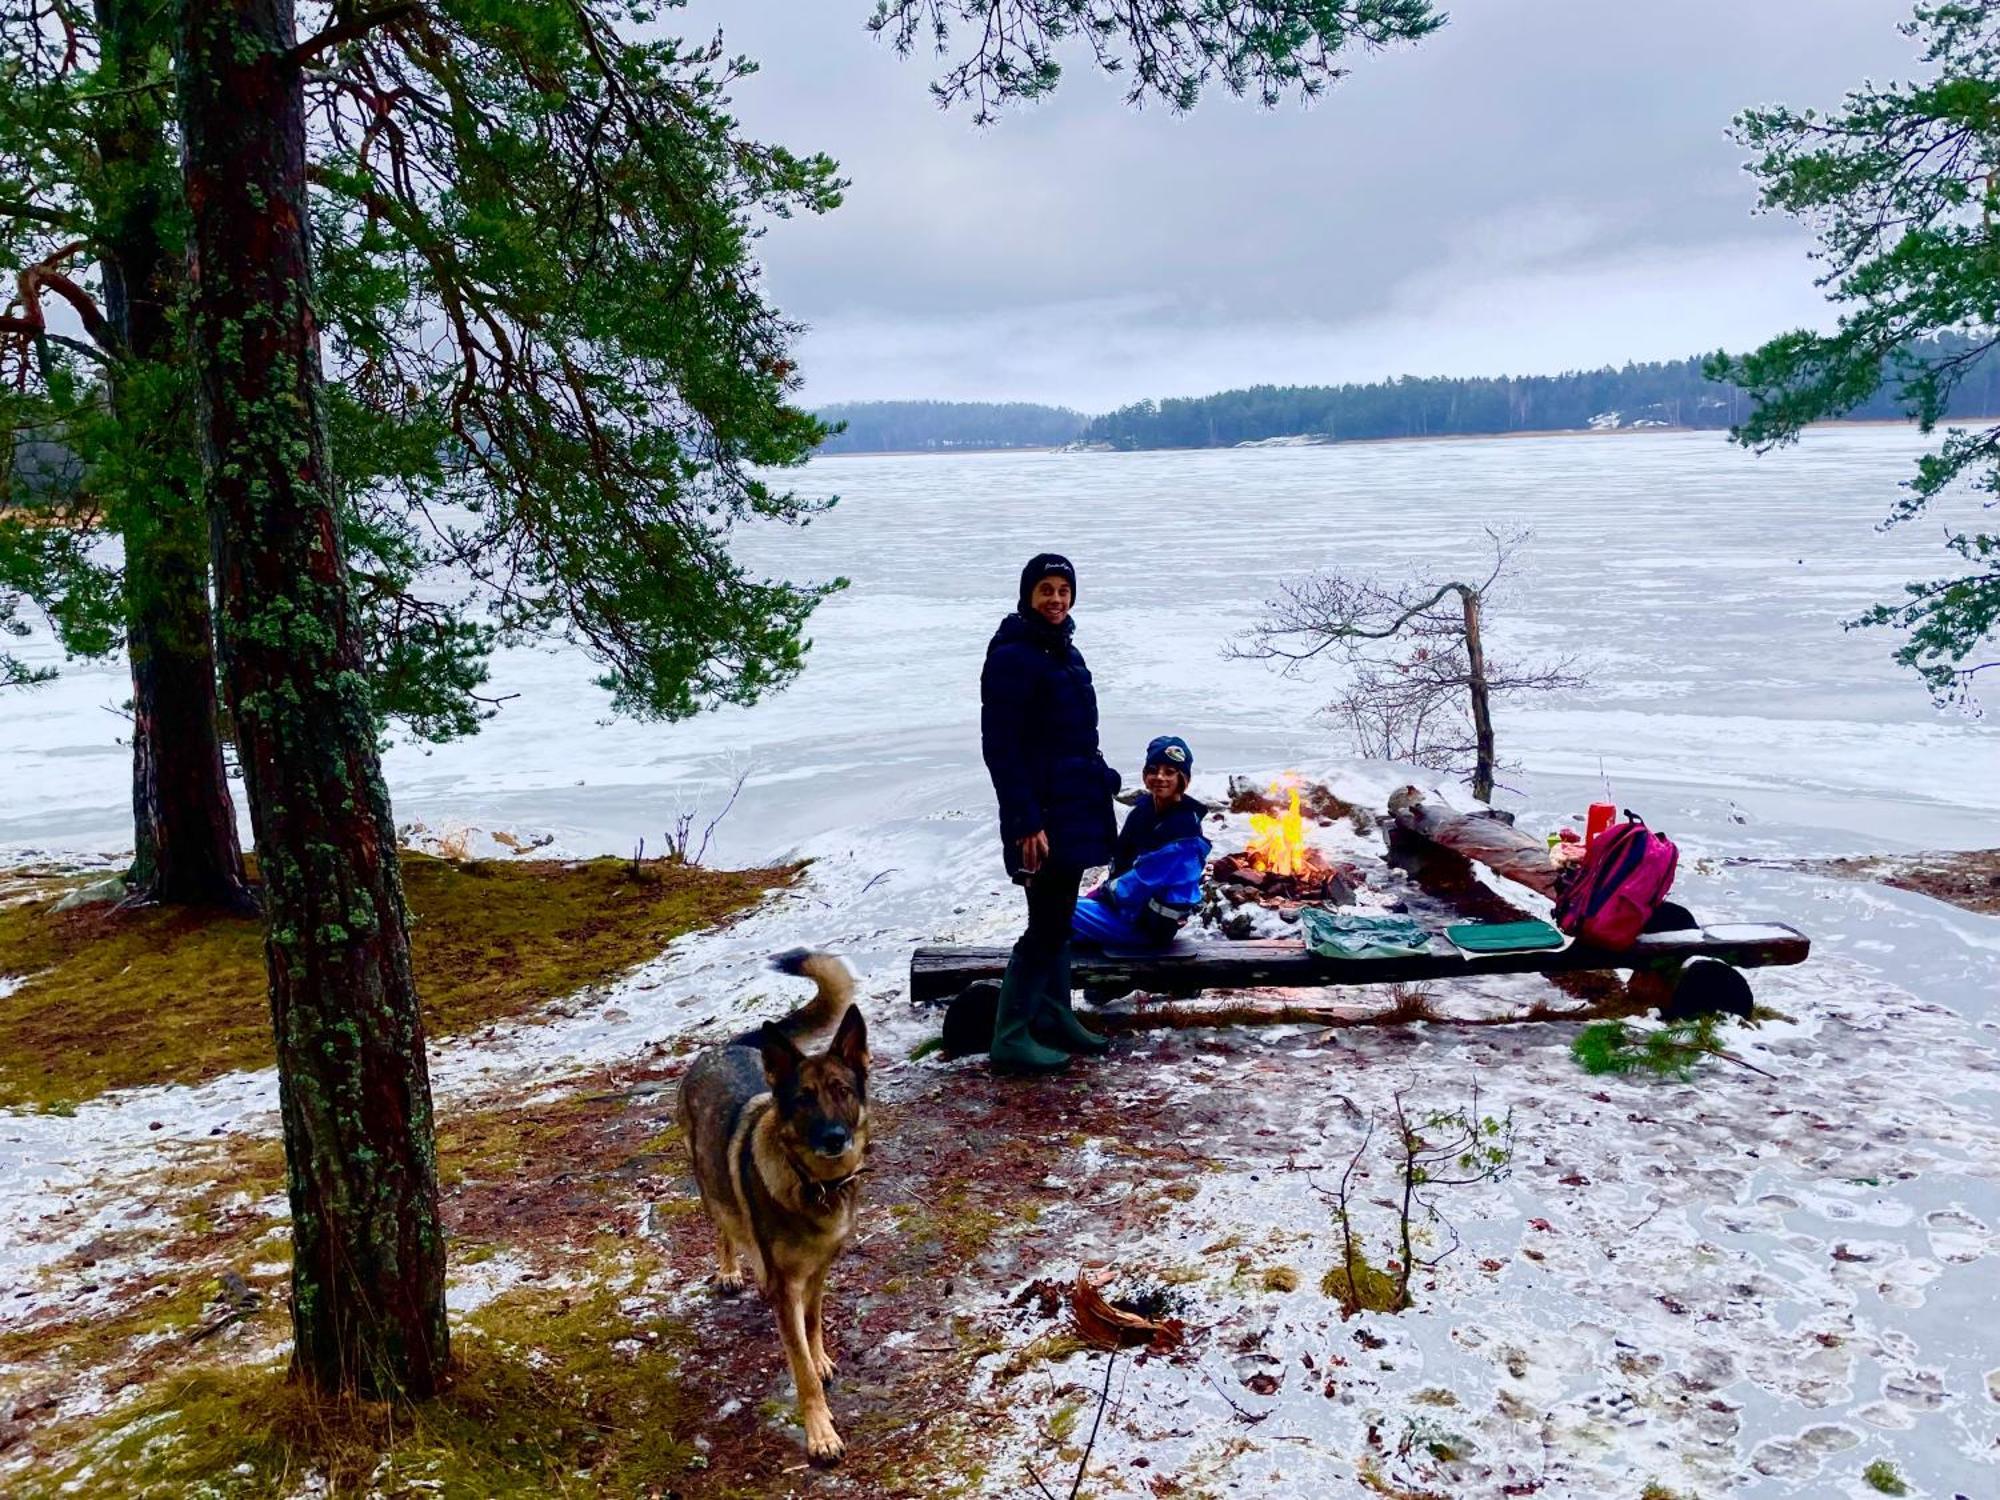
[1732, 1285]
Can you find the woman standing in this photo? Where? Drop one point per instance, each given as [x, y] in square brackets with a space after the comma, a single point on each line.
[1038, 733]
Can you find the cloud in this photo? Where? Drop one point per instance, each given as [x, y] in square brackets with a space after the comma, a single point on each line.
[1541, 185]
[1535, 316]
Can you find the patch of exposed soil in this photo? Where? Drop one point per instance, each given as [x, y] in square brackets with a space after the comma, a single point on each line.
[1968, 878]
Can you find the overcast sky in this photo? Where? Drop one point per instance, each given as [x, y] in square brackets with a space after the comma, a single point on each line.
[1545, 184]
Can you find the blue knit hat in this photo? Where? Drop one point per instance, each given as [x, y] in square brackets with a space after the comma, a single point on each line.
[1172, 751]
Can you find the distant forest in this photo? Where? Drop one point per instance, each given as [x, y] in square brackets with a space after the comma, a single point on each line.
[1666, 394]
[939, 426]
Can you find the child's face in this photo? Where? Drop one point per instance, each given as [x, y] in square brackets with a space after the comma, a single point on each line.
[1164, 782]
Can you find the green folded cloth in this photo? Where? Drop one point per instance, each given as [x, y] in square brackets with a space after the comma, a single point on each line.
[1503, 937]
[1347, 934]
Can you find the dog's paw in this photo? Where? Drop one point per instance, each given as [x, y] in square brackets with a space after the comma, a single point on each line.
[823, 1444]
[824, 1364]
[729, 1286]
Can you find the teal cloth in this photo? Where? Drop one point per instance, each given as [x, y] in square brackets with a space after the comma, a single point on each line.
[1503, 937]
[1347, 934]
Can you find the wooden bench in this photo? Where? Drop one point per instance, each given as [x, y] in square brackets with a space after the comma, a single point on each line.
[939, 973]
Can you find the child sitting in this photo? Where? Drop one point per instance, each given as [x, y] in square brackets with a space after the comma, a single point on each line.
[1156, 873]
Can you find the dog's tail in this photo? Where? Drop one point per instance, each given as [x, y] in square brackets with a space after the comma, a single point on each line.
[829, 1003]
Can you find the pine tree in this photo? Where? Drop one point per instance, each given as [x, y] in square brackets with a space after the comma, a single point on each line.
[1902, 185]
[555, 383]
[368, 1308]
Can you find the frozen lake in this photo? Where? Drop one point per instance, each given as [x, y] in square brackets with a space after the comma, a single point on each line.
[1702, 588]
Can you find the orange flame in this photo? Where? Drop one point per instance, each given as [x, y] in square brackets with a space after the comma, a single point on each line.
[1278, 840]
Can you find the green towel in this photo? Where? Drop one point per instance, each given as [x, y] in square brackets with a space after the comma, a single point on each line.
[1503, 937]
[1347, 934]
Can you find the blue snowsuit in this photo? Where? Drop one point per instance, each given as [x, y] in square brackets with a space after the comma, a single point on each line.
[1155, 876]
[1148, 828]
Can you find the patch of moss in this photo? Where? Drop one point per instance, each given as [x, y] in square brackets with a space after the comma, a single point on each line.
[1280, 1279]
[1372, 1478]
[551, 1393]
[1881, 1475]
[1050, 1346]
[1370, 1289]
[167, 1311]
[1657, 1491]
[116, 999]
[960, 1221]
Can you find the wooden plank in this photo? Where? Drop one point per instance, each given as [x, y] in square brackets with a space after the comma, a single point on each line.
[938, 973]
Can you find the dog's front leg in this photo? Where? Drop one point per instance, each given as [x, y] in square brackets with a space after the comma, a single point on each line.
[816, 1326]
[823, 1444]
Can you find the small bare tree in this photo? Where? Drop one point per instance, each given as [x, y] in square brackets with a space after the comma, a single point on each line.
[1421, 687]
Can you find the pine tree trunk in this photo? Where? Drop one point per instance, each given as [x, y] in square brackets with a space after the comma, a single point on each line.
[186, 849]
[368, 1256]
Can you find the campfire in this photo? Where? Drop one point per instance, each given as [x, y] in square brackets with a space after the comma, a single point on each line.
[1279, 867]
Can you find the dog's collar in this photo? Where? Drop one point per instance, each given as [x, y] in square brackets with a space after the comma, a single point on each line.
[821, 1191]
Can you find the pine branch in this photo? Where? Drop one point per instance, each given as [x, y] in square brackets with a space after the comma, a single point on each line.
[350, 29]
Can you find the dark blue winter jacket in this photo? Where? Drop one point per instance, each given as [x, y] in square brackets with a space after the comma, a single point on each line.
[1038, 733]
[1146, 828]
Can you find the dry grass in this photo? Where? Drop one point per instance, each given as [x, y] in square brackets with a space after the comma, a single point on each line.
[115, 999]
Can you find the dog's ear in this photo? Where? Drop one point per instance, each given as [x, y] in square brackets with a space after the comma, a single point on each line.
[781, 1058]
[850, 1042]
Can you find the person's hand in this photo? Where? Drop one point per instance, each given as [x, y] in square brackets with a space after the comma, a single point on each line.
[1034, 849]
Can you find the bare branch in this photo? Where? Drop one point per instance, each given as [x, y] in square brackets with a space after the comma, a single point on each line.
[1419, 684]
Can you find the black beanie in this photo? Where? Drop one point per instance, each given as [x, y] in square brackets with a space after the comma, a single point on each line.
[1045, 565]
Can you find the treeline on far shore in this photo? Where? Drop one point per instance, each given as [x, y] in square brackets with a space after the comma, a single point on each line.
[1661, 394]
[943, 426]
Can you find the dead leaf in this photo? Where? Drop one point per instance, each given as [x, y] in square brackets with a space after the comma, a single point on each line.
[1103, 1326]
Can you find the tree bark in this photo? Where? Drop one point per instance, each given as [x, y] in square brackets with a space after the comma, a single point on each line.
[1482, 707]
[354, 1093]
[1498, 845]
[185, 845]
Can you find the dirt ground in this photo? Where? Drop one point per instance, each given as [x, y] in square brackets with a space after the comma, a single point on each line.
[1963, 877]
[596, 1179]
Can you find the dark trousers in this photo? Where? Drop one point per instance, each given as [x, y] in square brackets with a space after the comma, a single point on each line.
[1052, 892]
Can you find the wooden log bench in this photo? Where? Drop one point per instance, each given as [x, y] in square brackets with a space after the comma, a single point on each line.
[962, 978]
[938, 973]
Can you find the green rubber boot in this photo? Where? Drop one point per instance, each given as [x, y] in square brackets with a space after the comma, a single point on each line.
[1014, 1049]
[1056, 1022]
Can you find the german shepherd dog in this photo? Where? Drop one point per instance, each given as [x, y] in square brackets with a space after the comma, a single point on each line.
[777, 1137]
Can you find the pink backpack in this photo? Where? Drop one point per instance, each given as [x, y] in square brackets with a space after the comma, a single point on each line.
[1619, 886]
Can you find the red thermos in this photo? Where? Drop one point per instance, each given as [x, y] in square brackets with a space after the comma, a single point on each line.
[1601, 816]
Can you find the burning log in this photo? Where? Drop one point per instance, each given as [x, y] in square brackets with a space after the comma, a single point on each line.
[1483, 836]
[1280, 868]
